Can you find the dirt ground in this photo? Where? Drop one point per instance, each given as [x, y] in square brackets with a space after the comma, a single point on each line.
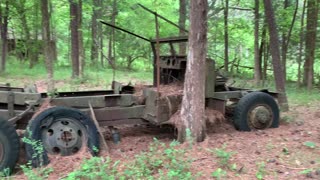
[282, 150]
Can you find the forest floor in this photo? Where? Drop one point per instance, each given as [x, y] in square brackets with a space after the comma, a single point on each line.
[291, 151]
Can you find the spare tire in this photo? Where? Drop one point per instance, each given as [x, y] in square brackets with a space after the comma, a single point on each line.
[256, 110]
[9, 146]
[59, 131]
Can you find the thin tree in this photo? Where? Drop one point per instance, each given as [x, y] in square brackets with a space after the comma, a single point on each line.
[286, 36]
[46, 35]
[257, 59]
[182, 24]
[226, 36]
[301, 42]
[193, 102]
[95, 33]
[312, 18]
[81, 48]
[111, 45]
[4, 35]
[74, 26]
[275, 53]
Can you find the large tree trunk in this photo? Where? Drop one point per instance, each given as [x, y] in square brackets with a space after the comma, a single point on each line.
[182, 24]
[193, 102]
[46, 36]
[312, 18]
[257, 59]
[301, 42]
[275, 53]
[4, 32]
[74, 26]
[226, 37]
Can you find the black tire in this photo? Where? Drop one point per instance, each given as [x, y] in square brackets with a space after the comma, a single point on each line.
[246, 115]
[38, 128]
[9, 146]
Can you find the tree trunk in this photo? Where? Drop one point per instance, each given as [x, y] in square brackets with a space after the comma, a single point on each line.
[94, 32]
[4, 34]
[275, 53]
[81, 48]
[46, 36]
[226, 36]
[34, 50]
[257, 59]
[193, 102]
[286, 37]
[182, 24]
[312, 18]
[74, 26]
[301, 42]
[111, 36]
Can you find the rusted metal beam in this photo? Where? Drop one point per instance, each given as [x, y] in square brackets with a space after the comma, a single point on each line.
[167, 20]
[121, 29]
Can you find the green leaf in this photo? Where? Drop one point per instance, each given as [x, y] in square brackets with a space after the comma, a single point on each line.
[310, 144]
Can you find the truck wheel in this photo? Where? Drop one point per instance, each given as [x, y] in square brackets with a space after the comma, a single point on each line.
[256, 110]
[60, 131]
[9, 146]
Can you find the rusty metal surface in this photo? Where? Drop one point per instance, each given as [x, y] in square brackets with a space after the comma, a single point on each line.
[20, 98]
[216, 104]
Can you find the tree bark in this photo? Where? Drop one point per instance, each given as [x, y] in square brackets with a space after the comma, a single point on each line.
[301, 42]
[312, 18]
[275, 53]
[81, 48]
[226, 36]
[74, 26]
[95, 34]
[287, 36]
[257, 59]
[46, 36]
[182, 23]
[193, 102]
[4, 33]
[111, 52]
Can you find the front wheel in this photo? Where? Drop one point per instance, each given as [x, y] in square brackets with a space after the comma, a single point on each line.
[256, 110]
[9, 146]
[59, 131]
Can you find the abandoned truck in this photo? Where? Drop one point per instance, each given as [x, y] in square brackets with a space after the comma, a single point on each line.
[65, 123]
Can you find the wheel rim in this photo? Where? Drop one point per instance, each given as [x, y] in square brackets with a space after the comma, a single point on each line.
[64, 136]
[260, 117]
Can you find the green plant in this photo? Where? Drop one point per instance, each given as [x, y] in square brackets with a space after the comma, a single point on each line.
[310, 144]
[223, 156]
[5, 173]
[36, 174]
[219, 173]
[96, 168]
[161, 161]
[261, 170]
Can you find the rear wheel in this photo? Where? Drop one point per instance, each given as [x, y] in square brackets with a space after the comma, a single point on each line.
[60, 131]
[256, 110]
[9, 146]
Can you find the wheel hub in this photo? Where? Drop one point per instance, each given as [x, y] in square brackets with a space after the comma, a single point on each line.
[64, 136]
[260, 117]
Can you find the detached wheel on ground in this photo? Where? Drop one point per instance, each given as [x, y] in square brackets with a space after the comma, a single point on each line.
[9, 146]
[256, 110]
[60, 131]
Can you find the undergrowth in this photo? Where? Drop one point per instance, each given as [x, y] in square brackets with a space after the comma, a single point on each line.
[161, 161]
